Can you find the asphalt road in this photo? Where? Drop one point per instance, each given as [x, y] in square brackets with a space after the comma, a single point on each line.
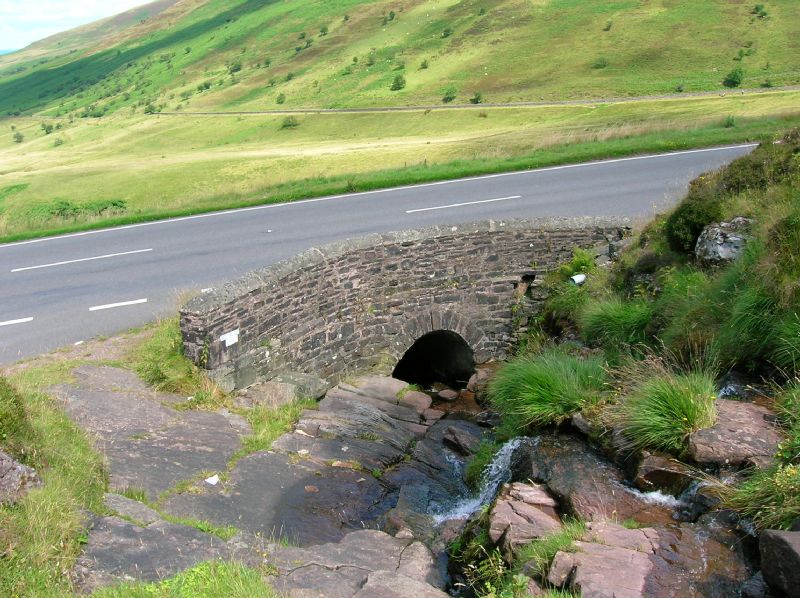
[64, 290]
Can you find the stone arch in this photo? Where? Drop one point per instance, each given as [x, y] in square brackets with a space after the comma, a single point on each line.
[438, 356]
[434, 319]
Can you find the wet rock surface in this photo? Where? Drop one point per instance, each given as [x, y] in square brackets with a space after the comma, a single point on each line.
[665, 561]
[16, 480]
[742, 431]
[661, 472]
[589, 487]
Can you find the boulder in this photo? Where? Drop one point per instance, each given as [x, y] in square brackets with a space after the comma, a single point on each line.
[721, 243]
[449, 395]
[755, 587]
[666, 561]
[16, 480]
[780, 560]
[742, 431]
[131, 509]
[522, 513]
[658, 472]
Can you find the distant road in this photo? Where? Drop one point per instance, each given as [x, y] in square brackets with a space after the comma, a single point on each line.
[62, 290]
[670, 96]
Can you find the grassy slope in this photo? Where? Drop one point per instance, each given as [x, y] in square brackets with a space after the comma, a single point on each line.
[517, 50]
[159, 166]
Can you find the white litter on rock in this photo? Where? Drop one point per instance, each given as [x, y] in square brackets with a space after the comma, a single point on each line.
[213, 480]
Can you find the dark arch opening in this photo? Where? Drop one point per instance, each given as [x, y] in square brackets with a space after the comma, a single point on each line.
[439, 356]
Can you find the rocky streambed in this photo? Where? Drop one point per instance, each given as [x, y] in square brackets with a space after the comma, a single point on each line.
[366, 496]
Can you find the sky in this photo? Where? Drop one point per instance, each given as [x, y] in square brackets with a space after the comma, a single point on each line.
[23, 22]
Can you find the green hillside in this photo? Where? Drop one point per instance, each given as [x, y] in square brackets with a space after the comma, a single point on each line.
[253, 54]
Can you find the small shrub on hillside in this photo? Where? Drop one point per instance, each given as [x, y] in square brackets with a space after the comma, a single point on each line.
[759, 11]
[729, 122]
[547, 388]
[449, 95]
[18, 137]
[281, 98]
[477, 98]
[663, 408]
[600, 63]
[398, 83]
[290, 122]
[615, 324]
[448, 31]
[423, 65]
[734, 78]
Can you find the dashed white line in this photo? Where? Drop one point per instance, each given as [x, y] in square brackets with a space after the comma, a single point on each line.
[375, 192]
[466, 203]
[113, 305]
[85, 259]
[20, 321]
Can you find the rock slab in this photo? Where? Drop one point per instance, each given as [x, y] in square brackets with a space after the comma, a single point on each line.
[743, 431]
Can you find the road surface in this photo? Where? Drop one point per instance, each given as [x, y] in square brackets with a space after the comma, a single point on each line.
[64, 290]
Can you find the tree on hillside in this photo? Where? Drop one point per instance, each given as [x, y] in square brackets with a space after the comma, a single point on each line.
[19, 137]
[734, 78]
[398, 83]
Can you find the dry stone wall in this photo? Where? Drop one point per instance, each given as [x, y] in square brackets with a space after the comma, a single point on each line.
[360, 304]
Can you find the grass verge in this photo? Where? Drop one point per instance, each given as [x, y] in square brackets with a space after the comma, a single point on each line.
[207, 580]
[566, 153]
[41, 536]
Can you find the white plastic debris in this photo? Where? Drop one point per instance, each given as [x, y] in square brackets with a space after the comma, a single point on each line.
[578, 279]
[213, 480]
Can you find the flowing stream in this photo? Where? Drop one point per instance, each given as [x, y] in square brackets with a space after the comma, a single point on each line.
[497, 473]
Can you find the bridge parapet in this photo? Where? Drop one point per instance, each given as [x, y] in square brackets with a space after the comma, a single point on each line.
[359, 304]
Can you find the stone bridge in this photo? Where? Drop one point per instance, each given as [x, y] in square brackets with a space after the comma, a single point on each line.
[360, 304]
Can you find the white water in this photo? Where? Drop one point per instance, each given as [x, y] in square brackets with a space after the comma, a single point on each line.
[497, 473]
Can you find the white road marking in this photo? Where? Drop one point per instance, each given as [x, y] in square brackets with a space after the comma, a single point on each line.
[377, 191]
[20, 321]
[466, 203]
[85, 259]
[113, 305]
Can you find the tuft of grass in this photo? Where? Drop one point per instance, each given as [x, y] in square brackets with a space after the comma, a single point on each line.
[582, 262]
[547, 388]
[482, 457]
[540, 553]
[664, 407]
[770, 498]
[223, 532]
[615, 324]
[565, 302]
[206, 580]
[160, 362]
[269, 424]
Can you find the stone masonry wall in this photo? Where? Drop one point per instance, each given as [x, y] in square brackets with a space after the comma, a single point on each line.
[360, 304]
